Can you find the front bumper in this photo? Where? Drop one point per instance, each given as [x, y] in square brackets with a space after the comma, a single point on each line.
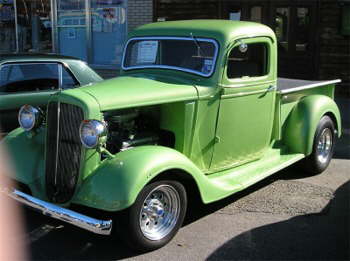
[102, 227]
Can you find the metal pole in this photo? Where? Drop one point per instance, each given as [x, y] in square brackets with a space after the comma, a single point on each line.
[54, 34]
[88, 31]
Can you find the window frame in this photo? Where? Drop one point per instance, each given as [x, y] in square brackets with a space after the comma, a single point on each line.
[216, 52]
[239, 82]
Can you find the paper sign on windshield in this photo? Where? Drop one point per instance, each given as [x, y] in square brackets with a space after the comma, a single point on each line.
[147, 52]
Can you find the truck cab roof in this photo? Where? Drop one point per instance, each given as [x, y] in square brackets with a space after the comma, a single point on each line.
[224, 31]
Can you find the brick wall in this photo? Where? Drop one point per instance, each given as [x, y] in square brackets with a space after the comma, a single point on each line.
[334, 48]
[139, 12]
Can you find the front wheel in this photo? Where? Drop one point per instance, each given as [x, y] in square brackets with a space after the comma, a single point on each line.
[156, 216]
[323, 147]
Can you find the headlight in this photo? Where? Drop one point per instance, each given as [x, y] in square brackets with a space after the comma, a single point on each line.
[29, 117]
[91, 132]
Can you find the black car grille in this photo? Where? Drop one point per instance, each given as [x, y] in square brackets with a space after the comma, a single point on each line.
[63, 151]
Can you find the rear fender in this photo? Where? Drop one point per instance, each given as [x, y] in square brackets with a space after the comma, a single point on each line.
[300, 127]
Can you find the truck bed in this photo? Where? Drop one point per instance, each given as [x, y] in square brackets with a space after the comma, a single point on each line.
[285, 85]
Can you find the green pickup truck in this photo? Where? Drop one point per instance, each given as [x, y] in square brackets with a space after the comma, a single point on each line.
[198, 108]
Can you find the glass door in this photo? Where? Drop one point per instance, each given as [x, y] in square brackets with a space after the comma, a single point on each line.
[72, 28]
[108, 20]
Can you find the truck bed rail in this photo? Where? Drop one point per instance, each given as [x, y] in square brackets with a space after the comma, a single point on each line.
[285, 85]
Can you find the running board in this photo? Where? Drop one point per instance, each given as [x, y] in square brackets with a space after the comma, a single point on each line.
[241, 177]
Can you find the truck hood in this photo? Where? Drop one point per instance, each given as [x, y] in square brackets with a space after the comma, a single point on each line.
[139, 90]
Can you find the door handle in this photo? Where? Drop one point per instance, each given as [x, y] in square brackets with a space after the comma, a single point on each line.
[271, 88]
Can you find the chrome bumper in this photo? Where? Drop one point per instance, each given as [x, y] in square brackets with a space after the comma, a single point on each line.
[102, 227]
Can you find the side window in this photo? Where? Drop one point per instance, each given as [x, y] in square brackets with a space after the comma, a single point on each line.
[248, 61]
[28, 77]
[68, 80]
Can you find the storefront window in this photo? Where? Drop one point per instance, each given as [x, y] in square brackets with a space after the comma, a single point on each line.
[302, 29]
[92, 30]
[7, 27]
[34, 26]
[282, 21]
[256, 14]
[32, 33]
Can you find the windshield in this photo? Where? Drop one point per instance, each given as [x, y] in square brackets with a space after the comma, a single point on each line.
[195, 55]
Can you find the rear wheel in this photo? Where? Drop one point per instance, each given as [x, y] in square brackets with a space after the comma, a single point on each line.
[323, 147]
[156, 215]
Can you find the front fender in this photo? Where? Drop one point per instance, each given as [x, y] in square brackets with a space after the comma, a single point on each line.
[115, 184]
[301, 125]
[26, 152]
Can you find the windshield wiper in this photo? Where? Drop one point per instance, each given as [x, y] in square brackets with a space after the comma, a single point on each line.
[199, 49]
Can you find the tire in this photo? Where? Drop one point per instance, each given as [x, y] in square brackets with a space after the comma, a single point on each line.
[323, 147]
[155, 217]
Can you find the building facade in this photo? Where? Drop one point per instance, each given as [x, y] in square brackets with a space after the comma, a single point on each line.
[313, 35]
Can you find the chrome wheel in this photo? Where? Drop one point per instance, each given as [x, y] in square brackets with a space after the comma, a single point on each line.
[324, 145]
[160, 212]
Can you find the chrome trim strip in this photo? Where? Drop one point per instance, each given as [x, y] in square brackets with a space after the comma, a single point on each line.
[171, 67]
[310, 86]
[226, 96]
[57, 141]
[250, 82]
[102, 227]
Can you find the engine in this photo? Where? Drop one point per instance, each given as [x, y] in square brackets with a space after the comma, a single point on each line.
[134, 127]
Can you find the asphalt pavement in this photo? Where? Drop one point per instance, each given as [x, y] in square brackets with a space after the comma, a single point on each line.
[289, 215]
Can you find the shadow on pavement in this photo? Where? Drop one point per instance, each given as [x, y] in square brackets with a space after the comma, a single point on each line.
[321, 236]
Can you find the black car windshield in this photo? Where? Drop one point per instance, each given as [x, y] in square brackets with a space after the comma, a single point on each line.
[194, 55]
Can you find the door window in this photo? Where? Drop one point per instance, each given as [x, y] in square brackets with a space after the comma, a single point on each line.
[248, 61]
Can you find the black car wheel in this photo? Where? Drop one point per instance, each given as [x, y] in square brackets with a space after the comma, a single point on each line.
[323, 147]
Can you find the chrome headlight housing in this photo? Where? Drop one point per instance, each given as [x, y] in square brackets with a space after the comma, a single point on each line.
[29, 117]
[91, 132]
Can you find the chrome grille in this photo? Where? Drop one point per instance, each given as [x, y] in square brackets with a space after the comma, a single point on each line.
[63, 150]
